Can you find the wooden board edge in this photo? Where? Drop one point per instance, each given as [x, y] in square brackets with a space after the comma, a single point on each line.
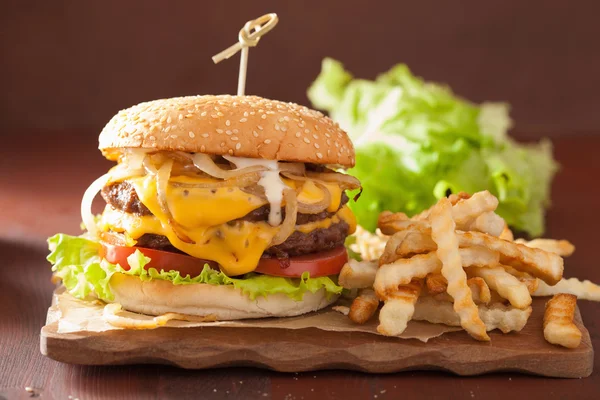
[77, 348]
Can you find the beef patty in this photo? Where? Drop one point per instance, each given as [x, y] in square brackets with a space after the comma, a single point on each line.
[122, 196]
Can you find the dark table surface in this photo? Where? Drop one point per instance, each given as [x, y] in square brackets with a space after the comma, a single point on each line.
[42, 179]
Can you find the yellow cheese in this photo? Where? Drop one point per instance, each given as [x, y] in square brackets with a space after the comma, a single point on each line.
[204, 216]
[346, 215]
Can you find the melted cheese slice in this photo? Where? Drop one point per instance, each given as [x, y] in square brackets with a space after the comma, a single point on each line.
[204, 216]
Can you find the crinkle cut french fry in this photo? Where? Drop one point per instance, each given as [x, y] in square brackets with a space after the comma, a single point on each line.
[464, 212]
[558, 321]
[541, 264]
[584, 290]
[531, 283]
[358, 274]
[364, 306]
[405, 244]
[436, 283]
[398, 309]
[538, 263]
[480, 290]
[403, 270]
[442, 233]
[488, 222]
[495, 316]
[505, 284]
[563, 248]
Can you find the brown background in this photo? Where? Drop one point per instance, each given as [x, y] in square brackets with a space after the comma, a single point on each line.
[73, 64]
[68, 66]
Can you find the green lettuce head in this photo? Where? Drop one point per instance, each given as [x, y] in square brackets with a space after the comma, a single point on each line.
[416, 141]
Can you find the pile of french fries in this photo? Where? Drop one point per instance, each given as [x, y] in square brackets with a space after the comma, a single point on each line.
[458, 264]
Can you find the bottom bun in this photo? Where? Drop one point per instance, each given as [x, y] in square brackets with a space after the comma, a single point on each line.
[224, 302]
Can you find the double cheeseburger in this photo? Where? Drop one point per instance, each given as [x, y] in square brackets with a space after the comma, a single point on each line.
[226, 207]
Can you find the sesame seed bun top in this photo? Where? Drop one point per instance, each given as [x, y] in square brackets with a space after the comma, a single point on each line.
[241, 126]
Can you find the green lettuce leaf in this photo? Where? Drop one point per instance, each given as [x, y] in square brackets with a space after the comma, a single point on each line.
[416, 141]
[76, 260]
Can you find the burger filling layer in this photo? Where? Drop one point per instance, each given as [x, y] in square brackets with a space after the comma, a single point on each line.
[229, 225]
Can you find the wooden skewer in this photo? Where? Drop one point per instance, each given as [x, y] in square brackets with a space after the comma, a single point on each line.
[248, 37]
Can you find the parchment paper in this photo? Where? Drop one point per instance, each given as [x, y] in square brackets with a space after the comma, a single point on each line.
[74, 315]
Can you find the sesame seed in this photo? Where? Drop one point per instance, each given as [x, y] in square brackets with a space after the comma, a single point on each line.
[214, 116]
[264, 116]
[231, 152]
[286, 118]
[180, 117]
[203, 114]
[219, 131]
[205, 135]
[235, 138]
[259, 127]
[277, 127]
[235, 131]
[298, 134]
[220, 114]
[202, 148]
[267, 141]
[316, 127]
[317, 145]
[152, 137]
[319, 155]
[283, 129]
[228, 132]
[167, 129]
[306, 140]
[255, 133]
[243, 119]
[227, 123]
[315, 136]
[329, 142]
[173, 136]
[238, 146]
[327, 135]
[191, 134]
[245, 113]
[222, 144]
[307, 131]
[169, 120]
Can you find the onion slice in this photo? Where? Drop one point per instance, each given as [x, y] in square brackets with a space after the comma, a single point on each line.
[289, 223]
[86, 204]
[345, 181]
[312, 208]
[292, 168]
[239, 181]
[162, 182]
[207, 165]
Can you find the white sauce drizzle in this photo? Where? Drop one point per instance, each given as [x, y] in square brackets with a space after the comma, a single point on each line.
[270, 181]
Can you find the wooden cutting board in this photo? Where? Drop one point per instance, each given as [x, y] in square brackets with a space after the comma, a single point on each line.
[314, 349]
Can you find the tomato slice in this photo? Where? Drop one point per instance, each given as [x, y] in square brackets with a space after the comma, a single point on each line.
[320, 264]
[166, 260]
[324, 263]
